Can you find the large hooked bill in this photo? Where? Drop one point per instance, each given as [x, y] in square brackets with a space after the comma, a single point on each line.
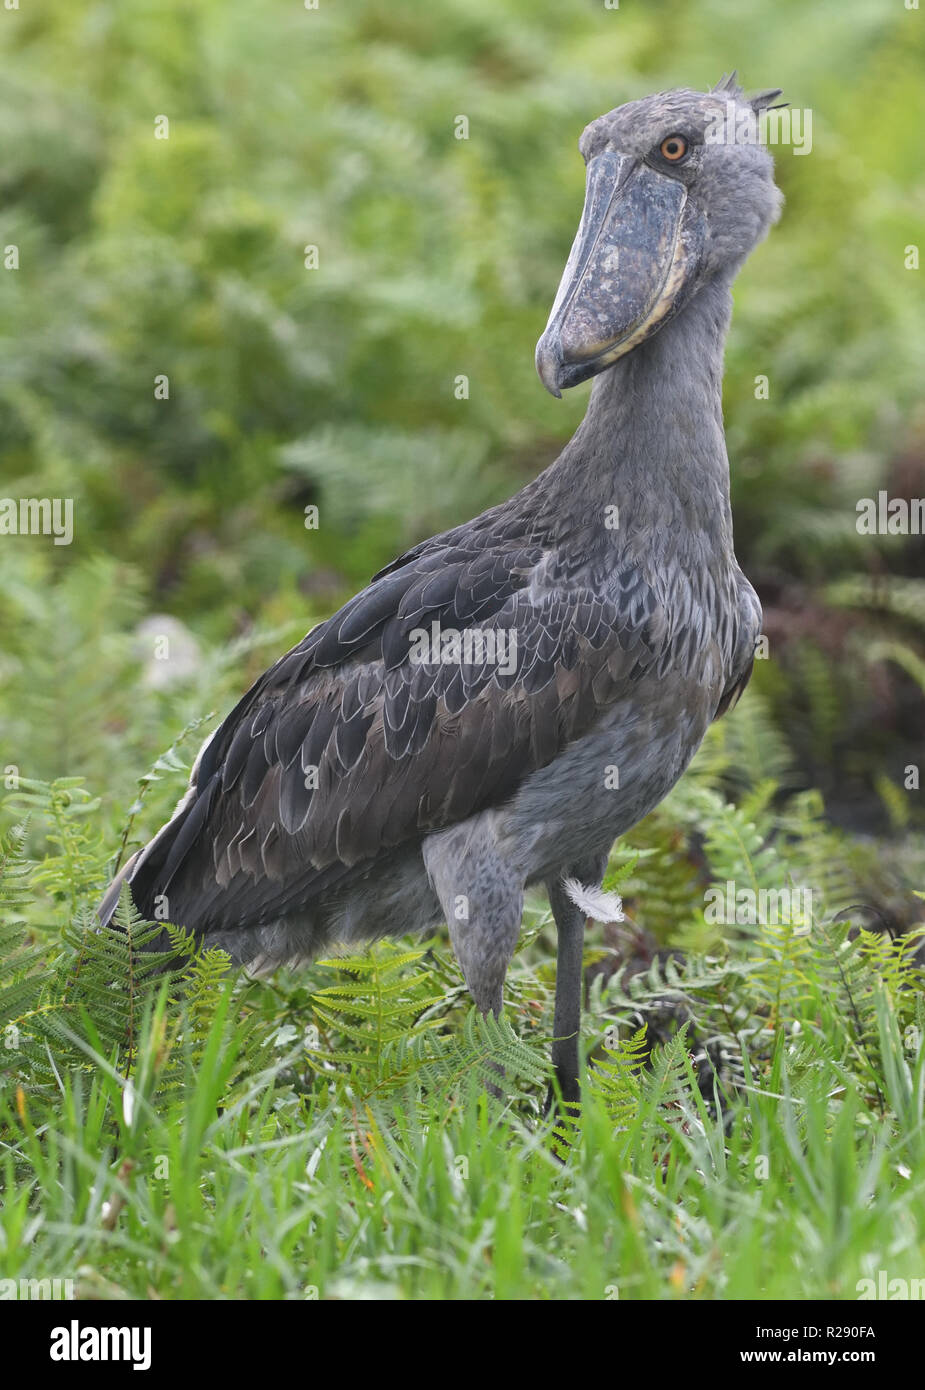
[632, 266]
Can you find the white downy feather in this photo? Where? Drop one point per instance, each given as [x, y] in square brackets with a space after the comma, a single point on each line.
[594, 902]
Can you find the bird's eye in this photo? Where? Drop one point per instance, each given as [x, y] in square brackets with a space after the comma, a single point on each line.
[673, 148]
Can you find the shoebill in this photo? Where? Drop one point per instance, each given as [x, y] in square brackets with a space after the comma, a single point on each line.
[504, 700]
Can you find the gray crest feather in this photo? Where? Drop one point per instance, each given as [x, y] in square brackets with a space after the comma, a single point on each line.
[728, 86]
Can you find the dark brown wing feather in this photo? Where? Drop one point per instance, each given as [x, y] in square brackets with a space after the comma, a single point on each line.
[346, 748]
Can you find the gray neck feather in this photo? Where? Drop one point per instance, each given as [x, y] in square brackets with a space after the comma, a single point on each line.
[652, 443]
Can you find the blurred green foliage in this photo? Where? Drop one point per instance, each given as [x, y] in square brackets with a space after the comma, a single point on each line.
[437, 257]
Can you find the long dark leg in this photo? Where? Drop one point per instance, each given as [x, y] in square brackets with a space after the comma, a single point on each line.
[570, 925]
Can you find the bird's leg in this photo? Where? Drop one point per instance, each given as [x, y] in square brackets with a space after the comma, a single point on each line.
[570, 925]
[482, 898]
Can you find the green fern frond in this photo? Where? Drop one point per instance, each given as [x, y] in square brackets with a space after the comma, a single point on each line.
[668, 1077]
[616, 1077]
[382, 1000]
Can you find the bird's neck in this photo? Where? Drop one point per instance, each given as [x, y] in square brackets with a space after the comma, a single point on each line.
[652, 444]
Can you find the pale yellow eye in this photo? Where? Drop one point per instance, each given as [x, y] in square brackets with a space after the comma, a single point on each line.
[673, 148]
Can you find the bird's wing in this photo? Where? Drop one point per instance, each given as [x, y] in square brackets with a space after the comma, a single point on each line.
[348, 746]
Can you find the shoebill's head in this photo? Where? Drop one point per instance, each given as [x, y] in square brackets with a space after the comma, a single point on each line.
[679, 191]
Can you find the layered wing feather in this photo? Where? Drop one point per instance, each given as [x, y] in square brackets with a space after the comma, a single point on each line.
[349, 746]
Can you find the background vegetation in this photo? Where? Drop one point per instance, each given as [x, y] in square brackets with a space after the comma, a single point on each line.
[313, 1139]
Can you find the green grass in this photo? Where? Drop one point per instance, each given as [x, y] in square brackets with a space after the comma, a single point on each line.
[328, 1134]
[273, 1197]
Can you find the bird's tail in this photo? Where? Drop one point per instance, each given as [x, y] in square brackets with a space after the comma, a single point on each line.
[145, 868]
[110, 901]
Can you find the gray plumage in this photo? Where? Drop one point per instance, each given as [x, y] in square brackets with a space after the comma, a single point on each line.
[357, 789]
